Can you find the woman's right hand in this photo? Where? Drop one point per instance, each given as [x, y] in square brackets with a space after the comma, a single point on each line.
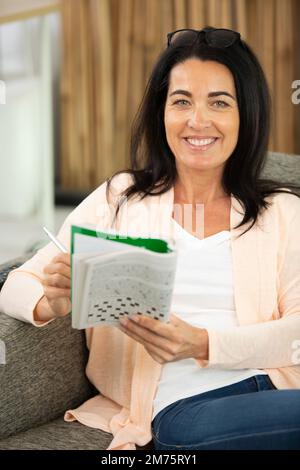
[56, 301]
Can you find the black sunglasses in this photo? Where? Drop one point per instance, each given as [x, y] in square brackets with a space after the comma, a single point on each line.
[218, 38]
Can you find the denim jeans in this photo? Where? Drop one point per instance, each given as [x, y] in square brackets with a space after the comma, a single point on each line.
[249, 415]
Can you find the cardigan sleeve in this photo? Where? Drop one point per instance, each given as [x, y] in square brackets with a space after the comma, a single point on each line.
[266, 345]
[23, 288]
[274, 343]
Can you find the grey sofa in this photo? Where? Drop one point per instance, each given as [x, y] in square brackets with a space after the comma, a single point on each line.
[44, 371]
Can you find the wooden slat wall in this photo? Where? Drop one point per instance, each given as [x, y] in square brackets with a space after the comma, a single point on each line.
[103, 103]
[196, 14]
[167, 18]
[296, 62]
[239, 17]
[284, 73]
[262, 34]
[123, 83]
[109, 48]
[78, 124]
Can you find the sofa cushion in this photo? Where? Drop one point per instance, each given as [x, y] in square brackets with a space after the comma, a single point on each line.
[44, 373]
[58, 435]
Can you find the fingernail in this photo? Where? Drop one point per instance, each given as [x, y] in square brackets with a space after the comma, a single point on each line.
[135, 318]
[123, 321]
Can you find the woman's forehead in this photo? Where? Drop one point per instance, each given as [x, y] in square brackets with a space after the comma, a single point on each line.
[194, 74]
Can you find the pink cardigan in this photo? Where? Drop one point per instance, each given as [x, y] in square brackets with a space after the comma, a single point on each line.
[266, 263]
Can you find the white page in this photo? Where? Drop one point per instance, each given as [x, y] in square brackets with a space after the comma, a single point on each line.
[86, 246]
[137, 282]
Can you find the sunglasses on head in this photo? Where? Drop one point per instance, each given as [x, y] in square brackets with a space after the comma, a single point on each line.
[218, 38]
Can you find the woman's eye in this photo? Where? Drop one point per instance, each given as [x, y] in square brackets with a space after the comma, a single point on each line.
[221, 104]
[182, 102]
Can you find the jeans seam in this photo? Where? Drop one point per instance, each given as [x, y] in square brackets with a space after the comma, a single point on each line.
[156, 433]
[162, 414]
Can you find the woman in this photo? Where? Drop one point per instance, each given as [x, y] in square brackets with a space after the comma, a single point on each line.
[223, 373]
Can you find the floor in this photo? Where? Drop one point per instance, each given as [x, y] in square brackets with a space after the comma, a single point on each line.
[20, 235]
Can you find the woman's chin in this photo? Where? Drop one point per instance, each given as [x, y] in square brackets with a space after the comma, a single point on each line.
[199, 163]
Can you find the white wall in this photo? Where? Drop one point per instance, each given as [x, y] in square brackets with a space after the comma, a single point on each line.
[21, 115]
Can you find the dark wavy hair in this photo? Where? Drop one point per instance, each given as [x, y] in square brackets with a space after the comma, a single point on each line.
[153, 166]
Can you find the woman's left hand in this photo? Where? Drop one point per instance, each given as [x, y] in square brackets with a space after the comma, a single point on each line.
[167, 342]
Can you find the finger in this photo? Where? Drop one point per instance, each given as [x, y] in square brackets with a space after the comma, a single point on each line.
[56, 293]
[57, 280]
[60, 268]
[176, 321]
[148, 336]
[156, 326]
[62, 258]
[158, 354]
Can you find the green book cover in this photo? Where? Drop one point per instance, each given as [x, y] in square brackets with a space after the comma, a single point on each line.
[154, 244]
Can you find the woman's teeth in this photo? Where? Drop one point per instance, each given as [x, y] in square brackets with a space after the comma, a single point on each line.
[201, 142]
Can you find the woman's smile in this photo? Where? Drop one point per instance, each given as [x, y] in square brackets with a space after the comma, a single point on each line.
[200, 144]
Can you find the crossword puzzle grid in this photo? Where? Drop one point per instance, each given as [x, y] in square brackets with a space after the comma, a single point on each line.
[128, 289]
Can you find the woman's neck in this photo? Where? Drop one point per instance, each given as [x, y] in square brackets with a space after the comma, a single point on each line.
[198, 192]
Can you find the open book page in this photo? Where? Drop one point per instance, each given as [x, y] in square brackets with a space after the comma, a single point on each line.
[131, 282]
[112, 279]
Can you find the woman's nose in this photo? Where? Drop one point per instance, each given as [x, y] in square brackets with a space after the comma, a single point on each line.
[199, 119]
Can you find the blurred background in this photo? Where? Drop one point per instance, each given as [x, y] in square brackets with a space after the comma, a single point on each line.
[72, 75]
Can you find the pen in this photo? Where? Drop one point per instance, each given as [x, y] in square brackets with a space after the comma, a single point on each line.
[55, 241]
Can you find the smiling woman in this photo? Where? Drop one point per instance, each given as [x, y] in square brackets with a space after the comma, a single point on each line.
[205, 85]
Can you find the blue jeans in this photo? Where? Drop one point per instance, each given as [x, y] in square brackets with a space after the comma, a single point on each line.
[249, 415]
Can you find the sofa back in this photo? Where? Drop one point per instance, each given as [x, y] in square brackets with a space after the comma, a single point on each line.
[283, 167]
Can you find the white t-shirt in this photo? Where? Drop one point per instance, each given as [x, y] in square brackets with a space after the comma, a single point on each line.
[204, 297]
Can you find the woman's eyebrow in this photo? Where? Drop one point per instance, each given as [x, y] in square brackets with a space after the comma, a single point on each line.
[181, 92]
[212, 94]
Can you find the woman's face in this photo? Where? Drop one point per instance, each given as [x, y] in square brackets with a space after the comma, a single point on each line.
[201, 114]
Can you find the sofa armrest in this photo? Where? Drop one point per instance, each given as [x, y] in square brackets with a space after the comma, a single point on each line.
[5, 268]
[43, 374]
